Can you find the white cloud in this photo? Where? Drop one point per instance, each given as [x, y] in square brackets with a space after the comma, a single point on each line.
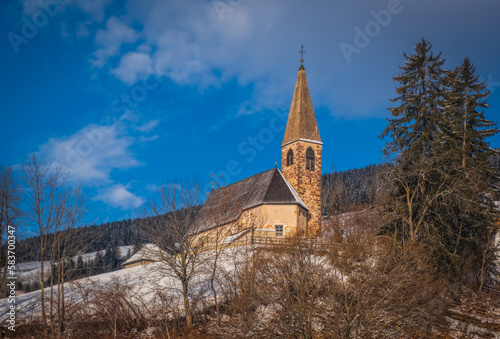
[92, 153]
[136, 120]
[111, 39]
[147, 139]
[148, 126]
[119, 196]
[206, 43]
[95, 8]
[194, 43]
[133, 66]
[152, 188]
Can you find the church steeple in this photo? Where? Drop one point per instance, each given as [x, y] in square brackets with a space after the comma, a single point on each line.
[301, 151]
[302, 122]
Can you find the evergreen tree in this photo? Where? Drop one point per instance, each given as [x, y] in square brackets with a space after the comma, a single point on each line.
[112, 258]
[440, 182]
[80, 267]
[98, 263]
[416, 137]
[465, 101]
[70, 271]
[417, 123]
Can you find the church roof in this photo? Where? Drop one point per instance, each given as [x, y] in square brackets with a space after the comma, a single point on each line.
[149, 252]
[301, 119]
[226, 204]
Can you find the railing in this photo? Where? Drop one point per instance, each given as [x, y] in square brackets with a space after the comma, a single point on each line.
[318, 244]
[263, 242]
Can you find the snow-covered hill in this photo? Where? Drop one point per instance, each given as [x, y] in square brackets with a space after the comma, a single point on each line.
[30, 271]
[149, 287]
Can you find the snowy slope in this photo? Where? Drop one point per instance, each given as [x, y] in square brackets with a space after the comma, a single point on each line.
[150, 286]
[30, 271]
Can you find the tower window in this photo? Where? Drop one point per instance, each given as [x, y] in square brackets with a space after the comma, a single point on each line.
[310, 159]
[289, 158]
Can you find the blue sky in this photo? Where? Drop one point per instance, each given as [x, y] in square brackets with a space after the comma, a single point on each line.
[127, 95]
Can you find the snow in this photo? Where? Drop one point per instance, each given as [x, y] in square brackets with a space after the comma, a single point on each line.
[153, 285]
[123, 253]
[30, 271]
[236, 236]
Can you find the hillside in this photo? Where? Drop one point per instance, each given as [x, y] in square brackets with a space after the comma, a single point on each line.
[148, 299]
[344, 188]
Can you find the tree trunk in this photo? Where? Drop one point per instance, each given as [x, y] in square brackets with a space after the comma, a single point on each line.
[42, 294]
[187, 306]
[465, 128]
[212, 285]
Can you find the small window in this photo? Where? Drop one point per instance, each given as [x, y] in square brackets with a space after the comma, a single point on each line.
[310, 159]
[289, 158]
[279, 230]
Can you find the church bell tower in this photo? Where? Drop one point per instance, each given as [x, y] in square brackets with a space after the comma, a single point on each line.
[301, 151]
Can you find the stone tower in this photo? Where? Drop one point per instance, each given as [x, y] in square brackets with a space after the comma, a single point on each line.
[301, 152]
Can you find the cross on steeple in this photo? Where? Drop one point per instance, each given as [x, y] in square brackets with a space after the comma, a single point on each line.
[302, 53]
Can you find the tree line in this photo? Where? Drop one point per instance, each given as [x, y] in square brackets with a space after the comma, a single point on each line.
[354, 187]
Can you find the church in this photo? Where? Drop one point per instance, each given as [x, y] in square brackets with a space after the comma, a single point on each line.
[274, 203]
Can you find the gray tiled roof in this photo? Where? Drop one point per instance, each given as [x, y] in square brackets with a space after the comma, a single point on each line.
[226, 204]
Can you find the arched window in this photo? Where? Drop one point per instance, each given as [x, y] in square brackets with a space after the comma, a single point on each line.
[310, 159]
[289, 158]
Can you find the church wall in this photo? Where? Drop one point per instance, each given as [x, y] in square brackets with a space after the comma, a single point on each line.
[263, 218]
[211, 236]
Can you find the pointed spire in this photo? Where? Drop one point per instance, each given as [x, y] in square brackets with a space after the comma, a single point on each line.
[301, 119]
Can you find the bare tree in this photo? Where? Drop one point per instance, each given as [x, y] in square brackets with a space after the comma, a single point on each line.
[10, 196]
[244, 312]
[297, 283]
[65, 247]
[50, 206]
[362, 286]
[172, 210]
[387, 289]
[218, 239]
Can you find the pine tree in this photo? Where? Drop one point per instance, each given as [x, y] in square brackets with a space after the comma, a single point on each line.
[112, 257]
[465, 101]
[80, 267]
[98, 263]
[416, 128]
[440, 182]
[416, 137]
